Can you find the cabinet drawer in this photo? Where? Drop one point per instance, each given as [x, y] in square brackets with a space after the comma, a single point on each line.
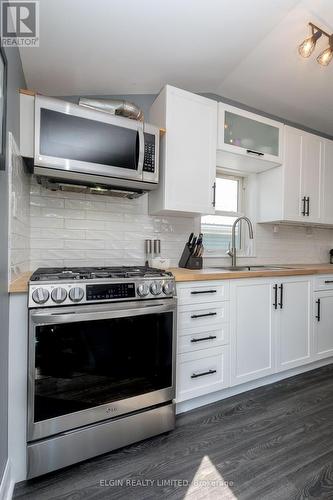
[198, 293]
[202, 372]
[194, 339]
[202, 315]
[324, 282]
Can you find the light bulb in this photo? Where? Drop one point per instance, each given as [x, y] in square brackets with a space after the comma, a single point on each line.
[326, 57]
[307, 47]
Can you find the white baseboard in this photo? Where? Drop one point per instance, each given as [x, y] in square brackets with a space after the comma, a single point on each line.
[7, 484]
[213, 397]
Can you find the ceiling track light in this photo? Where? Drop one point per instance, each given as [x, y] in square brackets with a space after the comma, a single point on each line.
[309, 44]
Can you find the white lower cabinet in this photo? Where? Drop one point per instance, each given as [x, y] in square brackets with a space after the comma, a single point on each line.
[323, 325]
[202, 372]
[294, 325]
[203, 338]
[252, 330]
[271, 326]
[265, 326]
[198, 338]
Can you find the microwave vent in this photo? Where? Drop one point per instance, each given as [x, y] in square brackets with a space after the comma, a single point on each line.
[54, 185]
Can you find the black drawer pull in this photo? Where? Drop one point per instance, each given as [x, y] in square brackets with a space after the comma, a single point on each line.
[304, 203]
[275, 304]
[318, 310]
[328, 281]
[203, 291]
[194, 316]
[250, 151]
[281, 296]
[211, 337]
[196, 375]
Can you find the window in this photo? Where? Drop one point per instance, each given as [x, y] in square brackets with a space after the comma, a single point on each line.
[216, 228]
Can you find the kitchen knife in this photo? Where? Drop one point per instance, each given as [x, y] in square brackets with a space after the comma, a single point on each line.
[193, 245]
[198, 245]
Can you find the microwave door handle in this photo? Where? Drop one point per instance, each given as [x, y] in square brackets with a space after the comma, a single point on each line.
[141, 150]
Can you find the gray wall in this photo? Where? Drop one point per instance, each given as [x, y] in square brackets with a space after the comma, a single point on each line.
[15, 81]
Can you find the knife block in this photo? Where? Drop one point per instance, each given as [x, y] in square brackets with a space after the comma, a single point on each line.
[187, 261]
[194, 263]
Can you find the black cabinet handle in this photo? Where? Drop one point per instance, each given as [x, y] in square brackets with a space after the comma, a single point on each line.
[281, 296]
[203, 291]
[328, 281]
[211, 337]
[318, 309]
[304, 202]
[196, 375]
[251, 152]
[275, 288]
[214, 194]
[308, 206]
[194, 316]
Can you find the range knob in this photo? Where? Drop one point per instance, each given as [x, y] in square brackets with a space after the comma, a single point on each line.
[76, 294]
[143, 289]
[40, 295]
[58, 295]
[156, 287]
[168, 288]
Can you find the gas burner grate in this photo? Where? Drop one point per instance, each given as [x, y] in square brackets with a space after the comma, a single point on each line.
[90, 273]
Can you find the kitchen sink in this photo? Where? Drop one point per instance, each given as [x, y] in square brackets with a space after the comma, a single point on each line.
[253, 268]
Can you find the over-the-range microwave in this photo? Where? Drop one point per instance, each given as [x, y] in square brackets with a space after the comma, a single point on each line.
[75, 144]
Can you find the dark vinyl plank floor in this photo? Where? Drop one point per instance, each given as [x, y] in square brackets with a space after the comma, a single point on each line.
[271, 443]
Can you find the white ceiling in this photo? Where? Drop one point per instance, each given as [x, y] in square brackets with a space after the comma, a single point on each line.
[245, 50]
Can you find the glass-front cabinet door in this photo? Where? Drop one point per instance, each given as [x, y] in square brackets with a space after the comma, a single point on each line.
[245, 133]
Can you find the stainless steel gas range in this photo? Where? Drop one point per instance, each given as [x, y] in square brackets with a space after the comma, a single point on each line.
[101, 365]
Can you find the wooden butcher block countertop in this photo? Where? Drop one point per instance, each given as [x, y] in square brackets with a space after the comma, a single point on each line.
[20, 284]
[222, 274]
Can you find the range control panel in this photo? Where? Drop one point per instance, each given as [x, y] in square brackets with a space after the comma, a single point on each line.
[55, 294]
[110, 291]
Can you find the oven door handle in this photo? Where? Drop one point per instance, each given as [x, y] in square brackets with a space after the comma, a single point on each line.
[107, 311]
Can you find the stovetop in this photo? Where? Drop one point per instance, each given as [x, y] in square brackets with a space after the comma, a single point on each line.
[90, 273]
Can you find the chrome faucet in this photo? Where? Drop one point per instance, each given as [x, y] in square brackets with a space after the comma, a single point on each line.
[232, 251]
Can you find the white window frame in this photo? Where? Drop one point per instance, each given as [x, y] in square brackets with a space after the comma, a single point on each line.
[239, 213]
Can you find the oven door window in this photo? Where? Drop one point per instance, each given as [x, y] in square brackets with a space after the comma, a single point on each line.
[74, 138]
[85, 364]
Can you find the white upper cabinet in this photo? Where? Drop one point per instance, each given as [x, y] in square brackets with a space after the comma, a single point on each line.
[188, 153]
[299, 190]
[246, 141]
[327, 184]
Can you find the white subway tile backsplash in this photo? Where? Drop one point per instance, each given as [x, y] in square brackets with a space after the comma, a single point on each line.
[51, 243]
[46, 222]
[43, 201]
[83, 224]
[84, 244]
[61, 213]
[18, 227]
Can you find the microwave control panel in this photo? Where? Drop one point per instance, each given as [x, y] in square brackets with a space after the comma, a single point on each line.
[149, 155]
